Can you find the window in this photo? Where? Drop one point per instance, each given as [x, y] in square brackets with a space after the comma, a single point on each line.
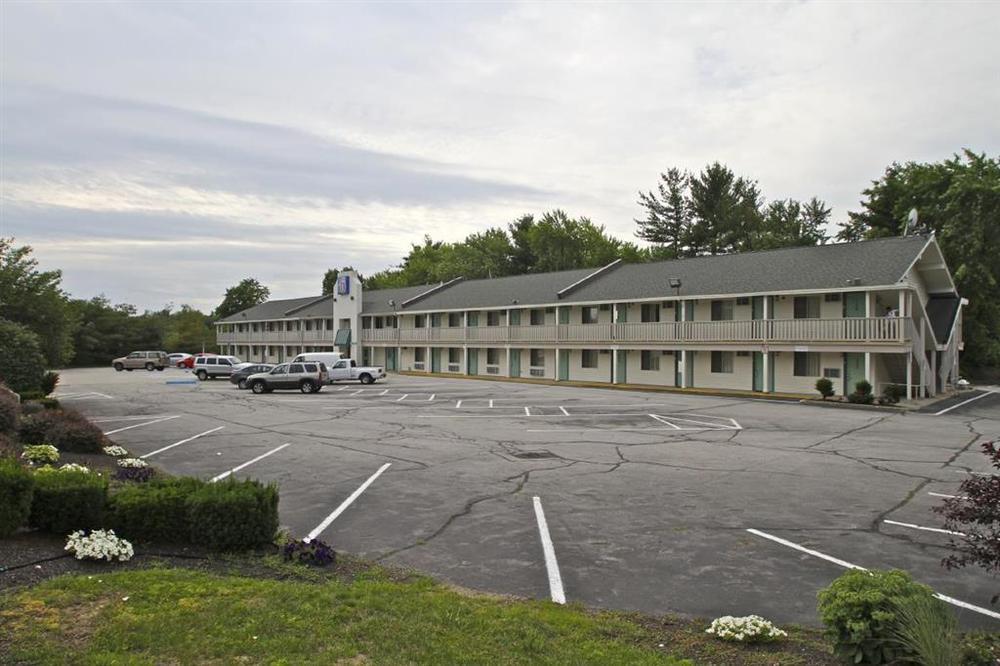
[454, 355]
[650, 312]
[649, 360]
[806, 364]
[329, 324]
[492, 356]
[806, 307]
[538, 358]
[722, 362]
[310, 367]
[589, 358]
[224, 361]
[588, 314]
[418, 354]
[211, 361]
[454, 319]
[831, 373]
[722, 311]
[493, 318]
[743, 300]
[537, 317]
[832, 298]
[420, 321]
[296, 369]
[280, 370]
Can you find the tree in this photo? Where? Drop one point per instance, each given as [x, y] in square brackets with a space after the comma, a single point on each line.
[959, 200]
[35, 299]
[248, 293]
[21, 362]
[668, 214]
[190, 330]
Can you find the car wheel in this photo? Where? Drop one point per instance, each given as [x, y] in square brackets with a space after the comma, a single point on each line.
[241, 385]
[307, 386]
[318, 388]
[202, 375]
[119, 367]
[150, 367]
[259, 387]
[366, 379]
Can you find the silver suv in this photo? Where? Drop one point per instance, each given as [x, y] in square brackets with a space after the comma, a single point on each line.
[210, 367]
[151, 360]
[308, 377]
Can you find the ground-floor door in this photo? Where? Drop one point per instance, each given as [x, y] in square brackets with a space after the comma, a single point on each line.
[758, 371]
[563, 365]
[621, 366]
[677, 367]
[473, 366]
[435, 359]
[390, 359]
[689, 369]
[515, 362]
[854, 370]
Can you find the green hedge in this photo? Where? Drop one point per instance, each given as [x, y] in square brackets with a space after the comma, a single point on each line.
[231, 515]
[16, 487]
[68, 501]
[67, 430]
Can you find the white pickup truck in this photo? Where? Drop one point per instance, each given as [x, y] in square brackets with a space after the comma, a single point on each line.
[346, 369]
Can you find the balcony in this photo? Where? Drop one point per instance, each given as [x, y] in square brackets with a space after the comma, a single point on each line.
[885, 330]
[274, 337]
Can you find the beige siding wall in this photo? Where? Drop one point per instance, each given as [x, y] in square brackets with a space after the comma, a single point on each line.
[785, 380]
[550, 364]
[740, 378]
[502, 364]
[602, 373]
[634, 373]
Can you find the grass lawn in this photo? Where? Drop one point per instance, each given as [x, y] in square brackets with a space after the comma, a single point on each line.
[178, 615]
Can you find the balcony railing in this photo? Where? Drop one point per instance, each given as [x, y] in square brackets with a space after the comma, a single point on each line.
[848, 329]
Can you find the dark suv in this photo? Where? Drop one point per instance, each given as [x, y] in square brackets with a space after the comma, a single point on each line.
[308, 377]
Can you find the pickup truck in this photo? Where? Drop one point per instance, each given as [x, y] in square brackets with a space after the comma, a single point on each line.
[346, 369]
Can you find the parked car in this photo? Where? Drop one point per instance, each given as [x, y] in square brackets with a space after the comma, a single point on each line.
[177, 359]
[323, 357]
[210, 367]
[346, 369]
[307, 377]
[151, 360]
[189, 361]
[244, 370]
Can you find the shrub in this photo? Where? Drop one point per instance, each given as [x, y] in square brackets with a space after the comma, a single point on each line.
[31, 395]
[862, 394]
[8, 413]
[36, 428]
[49, 381]
[31, 407]
[40, 404]
[8, 447]
[156, 511]
[893, 393]
[21, 361]
[233, 515]
[40, 454]
[68, 501]
[927, 630]
[749, 629]
[77, 434]
[860, 611]
[315, 553]
[137, 474]
[980, 649]
[16, 488]
[825, 387]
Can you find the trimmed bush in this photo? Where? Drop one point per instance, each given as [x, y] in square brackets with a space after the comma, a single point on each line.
[825, 387]
[21, 361]
[861, 612]
[893, 393]
[156, 511]
[27, 396]
[233, 515]
[49, 381]
[16, 487]
[8, 413]
[65, 429]
[36, 428]
[68, 501]
[862, 394]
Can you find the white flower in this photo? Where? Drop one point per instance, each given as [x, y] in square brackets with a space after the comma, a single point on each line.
[744, 629]
[99, 545]
[73, 467]
[115, 450]
[41, 453]
[135, 463]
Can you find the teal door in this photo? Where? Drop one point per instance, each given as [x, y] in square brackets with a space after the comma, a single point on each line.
[563, 315]
[472, 318]
[677, 367]
[515, 362]
[473, 361]
[757, 307]
[689, 310]
[854, 370]
[515, 317]
[758, 371]
[435, 360]
[563, 365]
[854, 305]
[689, 369]
[390, 359]
[621, 366]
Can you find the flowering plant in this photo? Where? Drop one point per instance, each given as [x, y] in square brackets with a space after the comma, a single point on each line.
[99, 545]
[133, 469]
[68, 467]
[134, 463]
[749, 629]
[313, 552]
[41, 454]
[115, 450]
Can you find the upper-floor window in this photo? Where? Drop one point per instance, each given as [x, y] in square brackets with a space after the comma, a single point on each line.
[420, 321]
[493, 318]
[537, 317]
[366, 322]
[589, 314]
[722, 310]
[329, 324]
[454, 319]
[650, 312]
[806, 307]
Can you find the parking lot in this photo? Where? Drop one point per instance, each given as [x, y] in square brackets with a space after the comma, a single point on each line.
[657, 502]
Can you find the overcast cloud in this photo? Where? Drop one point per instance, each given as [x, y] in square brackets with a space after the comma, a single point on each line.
[161, 152]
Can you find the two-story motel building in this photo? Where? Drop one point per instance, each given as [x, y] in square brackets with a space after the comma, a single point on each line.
[773, 321]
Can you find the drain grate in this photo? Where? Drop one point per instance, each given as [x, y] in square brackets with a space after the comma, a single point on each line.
[533, 455]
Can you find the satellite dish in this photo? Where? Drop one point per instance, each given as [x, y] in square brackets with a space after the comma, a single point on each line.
[911, 222]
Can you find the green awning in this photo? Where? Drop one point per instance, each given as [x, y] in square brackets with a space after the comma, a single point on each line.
[343, 338]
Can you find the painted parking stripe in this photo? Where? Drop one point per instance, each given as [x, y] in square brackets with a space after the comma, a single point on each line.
[220, 477]
[183, 441]
[112, 419]
[921, 527]
[403, 397]
[551, 564]
[458, 405]
[847, 565]
[346, 503]
[563, 410]
[139, 425]
[964, 402]
[431, 398]
[947, 496]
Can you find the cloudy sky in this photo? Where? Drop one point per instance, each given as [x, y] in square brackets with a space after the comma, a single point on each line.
[160, 152]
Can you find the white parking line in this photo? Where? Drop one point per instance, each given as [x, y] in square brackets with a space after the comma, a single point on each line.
[431, 398]
[527, 411]
[183, 441]
[139, 425]
[111, 419]
[663, 421]
[343, 388]
[491, 403]
[563, 410]
[551, 565]
[848, 565]
[220, 477]
[384, 392]
[358, 392]
[964, 402]
[945, 496]
[921, 527]
[458, 405]
[346, 503]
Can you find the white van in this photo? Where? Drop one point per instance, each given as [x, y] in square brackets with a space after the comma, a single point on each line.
[323, 357]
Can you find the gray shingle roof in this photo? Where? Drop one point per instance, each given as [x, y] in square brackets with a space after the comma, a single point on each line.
[377, 300]
[274, 309]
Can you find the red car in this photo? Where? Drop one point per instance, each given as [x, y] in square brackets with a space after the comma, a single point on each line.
[189, 361]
